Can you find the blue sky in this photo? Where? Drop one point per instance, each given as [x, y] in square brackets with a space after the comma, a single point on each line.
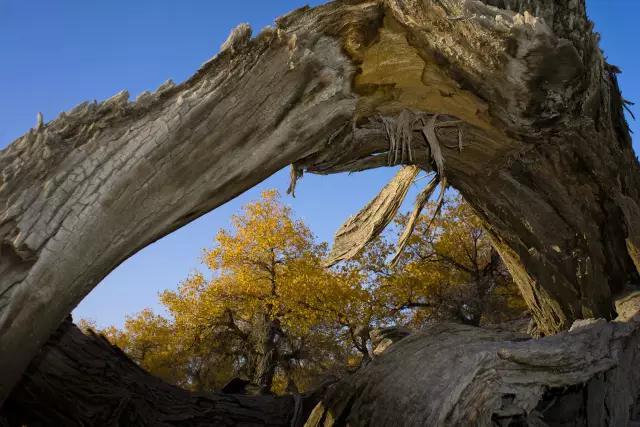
[57, 54]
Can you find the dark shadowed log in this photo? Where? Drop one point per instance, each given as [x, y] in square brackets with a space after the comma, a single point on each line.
[546, 158]
[457, 375]
[448, 375]
[80, 379]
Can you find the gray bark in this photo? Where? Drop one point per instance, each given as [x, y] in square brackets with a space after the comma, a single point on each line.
[86, 191]
[457, 375]
[82, 380]
[546, 159]
[554, 193]
[265, 335]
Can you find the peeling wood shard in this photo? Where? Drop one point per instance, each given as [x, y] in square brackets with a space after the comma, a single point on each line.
[421, 201]
[362, 228]
[429, 131]
[295, 173]
[400, 134]
[238, 38]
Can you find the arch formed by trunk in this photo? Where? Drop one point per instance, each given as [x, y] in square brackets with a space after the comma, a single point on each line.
[541, 150]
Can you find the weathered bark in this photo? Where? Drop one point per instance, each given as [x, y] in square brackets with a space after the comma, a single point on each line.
[372, 220]
[265, 335]
[546, 158]
[546, 161]
[450, 374]
[84, 192]
[84, 380]
[457, 375]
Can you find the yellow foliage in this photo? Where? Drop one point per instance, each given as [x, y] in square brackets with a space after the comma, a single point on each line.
[267, 297]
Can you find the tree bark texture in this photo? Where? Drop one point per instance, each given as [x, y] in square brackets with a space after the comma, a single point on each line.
[82, 193]
[447, 375]
[546, 158]
[82, 380]
[458, 375]
[265, 334]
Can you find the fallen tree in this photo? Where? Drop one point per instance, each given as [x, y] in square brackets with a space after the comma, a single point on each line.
[448, 374]
[512, 103]
[451, 374]
[80, 379]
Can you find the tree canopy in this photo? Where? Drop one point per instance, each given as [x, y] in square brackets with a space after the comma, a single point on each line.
[269, 311]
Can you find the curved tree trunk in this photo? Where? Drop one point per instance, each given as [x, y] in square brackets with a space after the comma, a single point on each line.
[80, 380]
[449, 374]
[457, 375]
[546, 157]
[82, 193]
[546, 161]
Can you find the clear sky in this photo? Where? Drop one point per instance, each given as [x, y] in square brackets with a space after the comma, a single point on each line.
[57, 54]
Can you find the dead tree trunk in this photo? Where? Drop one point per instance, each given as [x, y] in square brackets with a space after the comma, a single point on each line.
[82, 193]
[84, 380]
[457, 375]
[449, 374]
[545, 157]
